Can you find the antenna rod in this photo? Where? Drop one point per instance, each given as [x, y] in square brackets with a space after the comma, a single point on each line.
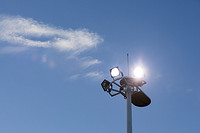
[128, 63]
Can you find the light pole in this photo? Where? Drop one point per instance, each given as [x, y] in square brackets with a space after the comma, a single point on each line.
[129, 109]
[129, 87]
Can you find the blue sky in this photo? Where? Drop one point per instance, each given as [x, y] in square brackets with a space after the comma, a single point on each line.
[55, 54]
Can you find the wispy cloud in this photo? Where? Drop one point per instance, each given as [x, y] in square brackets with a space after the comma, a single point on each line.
[88, 61]
[85, 62]
[73, 77]
[28, 32]
[94, 74]
[24, 33]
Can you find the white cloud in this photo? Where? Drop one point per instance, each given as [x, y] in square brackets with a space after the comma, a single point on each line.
[25, 33]
[13, 50]
[28, 32]
[73, 77]
[94, 74]
[87, 62]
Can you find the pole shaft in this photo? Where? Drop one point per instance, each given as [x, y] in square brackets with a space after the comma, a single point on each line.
[129, 110]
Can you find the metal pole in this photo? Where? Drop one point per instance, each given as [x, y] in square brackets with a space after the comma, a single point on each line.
[129, 110]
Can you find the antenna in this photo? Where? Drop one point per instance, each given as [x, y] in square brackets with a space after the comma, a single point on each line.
[128, 63]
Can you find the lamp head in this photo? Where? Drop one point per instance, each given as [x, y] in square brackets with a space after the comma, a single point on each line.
[138, 73]
[114, 72]
[105, 84]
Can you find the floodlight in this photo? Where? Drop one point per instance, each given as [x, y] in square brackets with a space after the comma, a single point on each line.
[129, 88]
[114, 72]
[140, 99]
[134, 82]
[105, 85]
[138, 72]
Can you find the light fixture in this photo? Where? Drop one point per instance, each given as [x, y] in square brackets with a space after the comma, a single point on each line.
[105, 84]
[129, 87]
[114, 72]
[138, 72]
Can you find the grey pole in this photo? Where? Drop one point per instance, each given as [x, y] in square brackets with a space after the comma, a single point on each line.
[129, 87]
[129, 110]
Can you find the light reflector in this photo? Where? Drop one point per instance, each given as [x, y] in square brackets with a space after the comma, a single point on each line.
[114, 72]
